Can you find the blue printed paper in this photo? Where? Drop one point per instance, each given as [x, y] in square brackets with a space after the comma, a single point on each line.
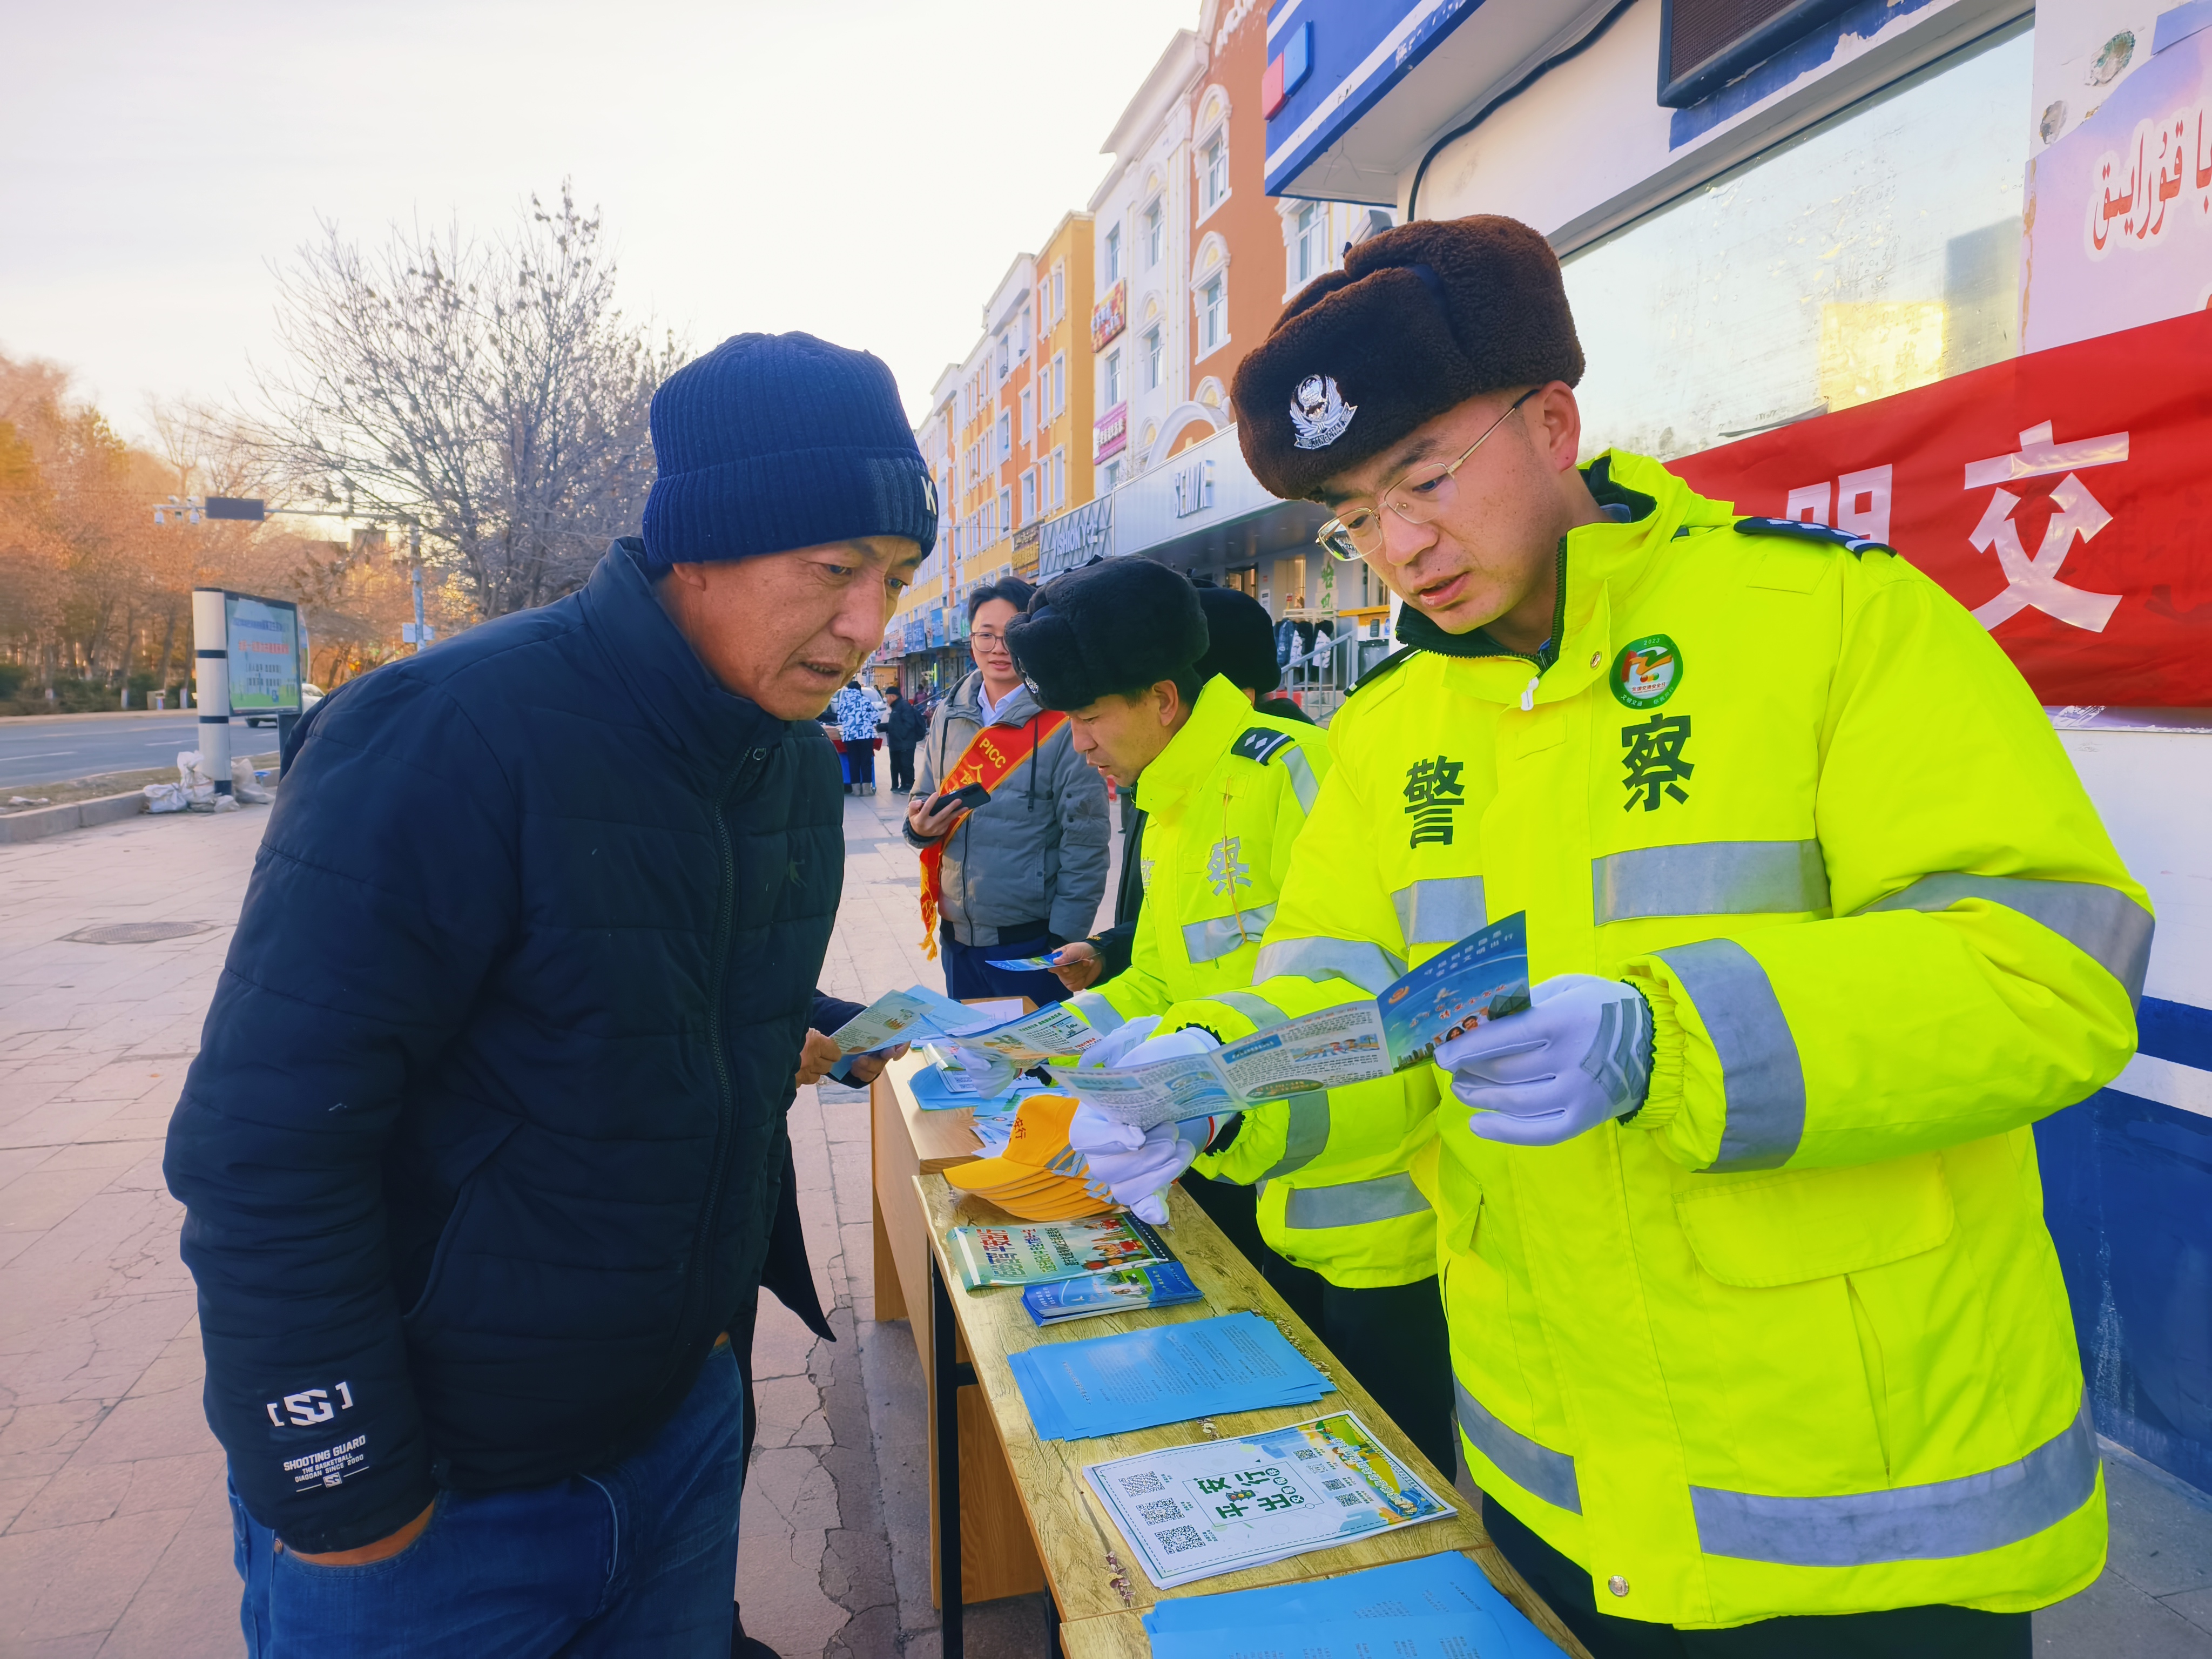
[1483, 977]
[1399, 1600]
[1164, 1374]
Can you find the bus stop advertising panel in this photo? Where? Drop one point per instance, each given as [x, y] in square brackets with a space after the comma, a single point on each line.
[264, 640]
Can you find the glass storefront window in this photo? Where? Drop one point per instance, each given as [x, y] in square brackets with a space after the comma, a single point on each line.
[1877, 252]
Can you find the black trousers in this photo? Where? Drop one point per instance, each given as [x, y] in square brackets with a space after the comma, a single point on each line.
[1391, 1339]
[1933, 1632]
[902, 767]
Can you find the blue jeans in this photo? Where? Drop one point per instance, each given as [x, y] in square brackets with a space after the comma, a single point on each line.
[968, 973]
[638, 1559]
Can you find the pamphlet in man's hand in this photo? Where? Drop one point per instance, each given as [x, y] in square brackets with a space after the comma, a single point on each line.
[1192, 1512]
[905, 1016]
[1483, 977]
[917, 1012]
[1026, 964]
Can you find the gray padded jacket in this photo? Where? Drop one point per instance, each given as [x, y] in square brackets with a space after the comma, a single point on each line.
[1037, 850]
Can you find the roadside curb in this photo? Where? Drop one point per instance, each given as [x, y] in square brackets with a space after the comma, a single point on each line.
[76, 815]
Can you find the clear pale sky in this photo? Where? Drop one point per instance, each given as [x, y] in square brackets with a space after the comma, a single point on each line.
[863, 171]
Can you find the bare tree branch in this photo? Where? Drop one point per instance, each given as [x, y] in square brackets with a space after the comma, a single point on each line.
[490, 390]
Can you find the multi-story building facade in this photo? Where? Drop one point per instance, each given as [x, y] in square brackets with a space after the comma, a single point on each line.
[1059, 478]
[1140, 328]
[1105, 361]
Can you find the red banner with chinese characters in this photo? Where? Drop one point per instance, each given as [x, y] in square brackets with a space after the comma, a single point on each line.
[2063, 497]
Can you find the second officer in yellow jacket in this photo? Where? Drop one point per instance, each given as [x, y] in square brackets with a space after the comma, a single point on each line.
[1226, 793]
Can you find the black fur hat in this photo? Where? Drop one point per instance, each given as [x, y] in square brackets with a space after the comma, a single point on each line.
[1111, 628]
[1240, 637]
[1420, 319]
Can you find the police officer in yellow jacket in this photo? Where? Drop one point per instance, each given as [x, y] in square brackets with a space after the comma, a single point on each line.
[1758, 1342]
[1225, 793]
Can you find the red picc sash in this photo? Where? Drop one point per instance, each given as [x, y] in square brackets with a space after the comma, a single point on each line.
[993, 755]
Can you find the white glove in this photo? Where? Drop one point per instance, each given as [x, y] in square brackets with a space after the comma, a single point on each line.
[1109, 1049]
[1191, 1040]
[1140, 1177]
[1581, 1053]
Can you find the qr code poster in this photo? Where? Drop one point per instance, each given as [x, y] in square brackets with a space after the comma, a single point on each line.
[1194, 1511]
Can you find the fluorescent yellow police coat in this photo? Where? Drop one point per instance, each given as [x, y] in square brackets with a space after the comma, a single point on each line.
[1793, 1340]
[1224, 803]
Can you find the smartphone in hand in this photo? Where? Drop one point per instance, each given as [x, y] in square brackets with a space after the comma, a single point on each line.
[968, 797]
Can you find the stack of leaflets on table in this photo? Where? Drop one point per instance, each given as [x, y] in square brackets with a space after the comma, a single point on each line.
[1483, 977]
[1167, 1374]
[1438, 1607]
[946, 1082]
[1039, 1252]
[1122, 1290]
[1193, 1512]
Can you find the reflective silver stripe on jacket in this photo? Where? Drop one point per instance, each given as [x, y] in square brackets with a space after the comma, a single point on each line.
[1354, 1203]
[1539, 1469]
[1261, 1013]
[1305, 1136]
[1303, 783]
[1762, 1080]
[1206, 941]
[1101, 1015]
[2102, 923]
[1365, 964]
[1441, 912]
[1935, 1523]
[1709, 878]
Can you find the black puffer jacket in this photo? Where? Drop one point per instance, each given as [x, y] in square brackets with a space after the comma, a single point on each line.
[485, 1136]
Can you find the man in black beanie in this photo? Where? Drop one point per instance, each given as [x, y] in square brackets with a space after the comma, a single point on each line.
[482, 1151]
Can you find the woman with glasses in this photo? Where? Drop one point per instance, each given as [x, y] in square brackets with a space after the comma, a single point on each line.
[1018, 867]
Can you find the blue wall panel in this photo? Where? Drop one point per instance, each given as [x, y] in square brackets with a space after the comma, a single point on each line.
[2127, 1188]
[1345, 34]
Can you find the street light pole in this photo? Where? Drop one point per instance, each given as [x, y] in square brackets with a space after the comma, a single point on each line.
[415, 572]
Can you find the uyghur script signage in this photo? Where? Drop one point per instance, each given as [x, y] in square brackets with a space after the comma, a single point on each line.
[2060, 497]
[2119, 210]
[1110, 316]
[1076, 537]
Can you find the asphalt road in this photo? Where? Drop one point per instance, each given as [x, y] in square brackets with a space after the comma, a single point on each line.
[38, 750]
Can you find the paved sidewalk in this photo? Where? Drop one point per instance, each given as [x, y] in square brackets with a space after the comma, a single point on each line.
[114, 1535]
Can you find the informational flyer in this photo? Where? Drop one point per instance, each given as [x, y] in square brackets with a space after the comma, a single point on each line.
[1040, 1252]
[1482, 978]
[904, 1016]
[1196, 1512]
[1033, 1038]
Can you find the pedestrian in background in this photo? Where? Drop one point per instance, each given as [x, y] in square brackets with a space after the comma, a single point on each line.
[905, 726]
[1022, 872]
[859, 711]
[483, 1153]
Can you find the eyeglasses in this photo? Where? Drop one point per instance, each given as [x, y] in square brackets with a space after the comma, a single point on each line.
[988, 640]
[1417, 496]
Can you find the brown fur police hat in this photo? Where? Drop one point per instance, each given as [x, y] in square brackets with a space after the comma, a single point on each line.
[1420, 318]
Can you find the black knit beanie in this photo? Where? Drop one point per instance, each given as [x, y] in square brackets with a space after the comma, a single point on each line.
[773, 442]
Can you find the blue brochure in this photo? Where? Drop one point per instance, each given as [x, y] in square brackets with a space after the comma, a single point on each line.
[1425, 1603]
[1117, 1290]
[1165, 1374]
